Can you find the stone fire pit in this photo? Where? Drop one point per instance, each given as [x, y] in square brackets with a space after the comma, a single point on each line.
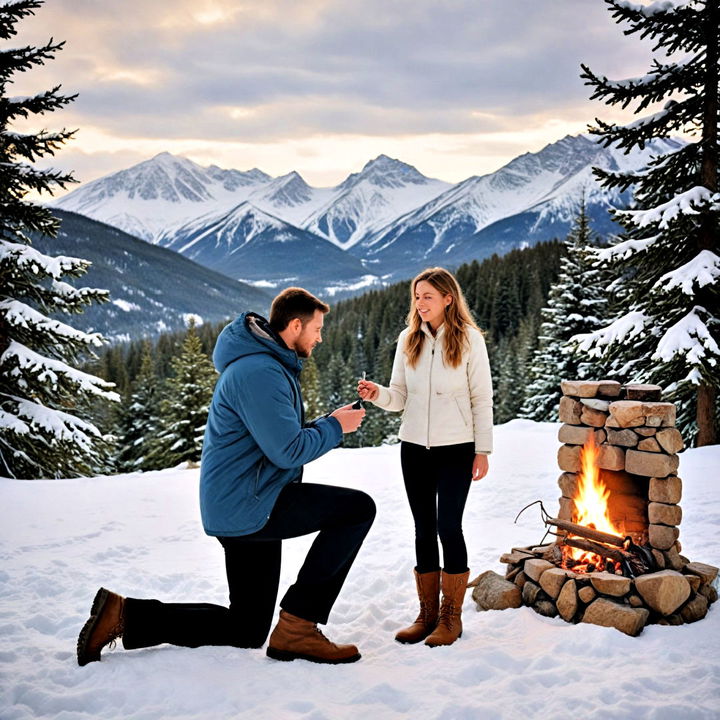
[637, 444]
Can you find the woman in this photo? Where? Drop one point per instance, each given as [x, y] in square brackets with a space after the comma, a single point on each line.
[441, 380]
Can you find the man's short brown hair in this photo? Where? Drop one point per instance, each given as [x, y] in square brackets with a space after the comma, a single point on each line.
[291, 303]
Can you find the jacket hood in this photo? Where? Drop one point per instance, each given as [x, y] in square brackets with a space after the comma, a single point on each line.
[250, 334]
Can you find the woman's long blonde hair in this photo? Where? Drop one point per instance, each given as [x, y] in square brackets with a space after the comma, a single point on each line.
[457, 317]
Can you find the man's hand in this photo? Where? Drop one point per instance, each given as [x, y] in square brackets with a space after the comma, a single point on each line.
[349, 419]
[480, 466]
[367, 390]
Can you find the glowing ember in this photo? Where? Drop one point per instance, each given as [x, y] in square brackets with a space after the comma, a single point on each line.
[591, 510]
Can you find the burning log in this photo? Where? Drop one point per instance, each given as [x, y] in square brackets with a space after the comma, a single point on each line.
[586, 532]
[602, 550]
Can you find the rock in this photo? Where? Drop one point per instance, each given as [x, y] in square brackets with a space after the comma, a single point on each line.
[611, 457]
[609, 388]
[649, 444]
[595, 418]
[596, 404]
[695, 610]
[662, 514]
[694, 581]
[626, 438]
[580, 388]
[659, 413]
[635, 601]
[530, 592]
[569, 458]
[709, 592]
[643, 392]
[645, 431]
[551, 581]
[567, 601]
[600, 436]
[574, 434]
[673, 561]
[567, 509]
[494, 592]
[520, 579]
[535, 568]
[607, 613]
[568, 483]
[627, 413]
[662, 537]
[515, 557]
[569, 411]
[659, 558]
[650, 464]
[587, 594]
[707, 573]
[665, 490]
[609, 584]
[670, 440]
[546, 608]
[663, 591]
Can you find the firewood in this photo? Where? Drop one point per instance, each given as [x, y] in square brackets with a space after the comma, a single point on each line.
[582, 531]
[597, 549]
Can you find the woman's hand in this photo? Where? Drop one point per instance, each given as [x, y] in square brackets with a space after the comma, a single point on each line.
[480, 466]
[367, 390]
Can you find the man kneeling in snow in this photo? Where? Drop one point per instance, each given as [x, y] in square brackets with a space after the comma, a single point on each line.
[251, 499]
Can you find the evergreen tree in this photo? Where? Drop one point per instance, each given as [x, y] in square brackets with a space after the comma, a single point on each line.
[44, 401]
[667, 259]
[139, 418]
[577, 303]
[311, 392]
[184, 409]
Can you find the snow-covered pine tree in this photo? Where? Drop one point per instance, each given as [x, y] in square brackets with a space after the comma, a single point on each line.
[139, 418]
[668, 256]
[44, 425]
[184, 409]
[577, 303]
[310, 385]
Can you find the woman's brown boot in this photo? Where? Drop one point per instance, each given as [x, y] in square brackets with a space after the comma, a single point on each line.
[428, 590]
[449, 627]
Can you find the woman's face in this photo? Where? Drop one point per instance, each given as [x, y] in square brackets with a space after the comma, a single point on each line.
[430, 304]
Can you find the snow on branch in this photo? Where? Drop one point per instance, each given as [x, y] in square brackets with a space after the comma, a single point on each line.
[704, 269]
[688, 203]
[58, 424]
[653, 9]
[24, 255]
[622, 251]
[49, 370]
[690, 337]
[21, 315]
[625, 328]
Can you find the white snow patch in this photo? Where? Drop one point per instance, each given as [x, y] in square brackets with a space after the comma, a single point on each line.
[125, 305]
[703, 269]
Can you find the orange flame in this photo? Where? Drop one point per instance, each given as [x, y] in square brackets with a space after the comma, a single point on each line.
[591, 505]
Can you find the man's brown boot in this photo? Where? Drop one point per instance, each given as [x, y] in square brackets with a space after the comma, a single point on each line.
[294, 638]
[449, 627]
[106, 624]
[428, 590]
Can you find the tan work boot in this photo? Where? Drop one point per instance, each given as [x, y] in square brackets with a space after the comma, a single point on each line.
[106, 624]
[428, 590]
[449, 627]
[294, 638]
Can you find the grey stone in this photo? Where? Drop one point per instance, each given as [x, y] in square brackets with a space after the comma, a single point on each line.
[596, 404]
[494, 592]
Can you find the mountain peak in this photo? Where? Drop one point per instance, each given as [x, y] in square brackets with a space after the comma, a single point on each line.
[384, 171]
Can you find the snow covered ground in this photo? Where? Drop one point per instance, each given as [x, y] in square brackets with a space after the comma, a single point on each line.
[140, 535]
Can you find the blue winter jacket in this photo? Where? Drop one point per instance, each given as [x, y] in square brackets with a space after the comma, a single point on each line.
[255, 439]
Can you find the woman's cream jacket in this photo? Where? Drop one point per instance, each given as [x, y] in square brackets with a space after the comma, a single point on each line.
[442, 405]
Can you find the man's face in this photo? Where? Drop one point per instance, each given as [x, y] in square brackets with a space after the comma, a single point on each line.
[310, 335]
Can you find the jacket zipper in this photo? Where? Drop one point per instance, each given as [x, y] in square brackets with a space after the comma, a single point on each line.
[432, 359]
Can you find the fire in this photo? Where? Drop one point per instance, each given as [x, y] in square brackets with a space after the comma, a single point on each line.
[591, 503]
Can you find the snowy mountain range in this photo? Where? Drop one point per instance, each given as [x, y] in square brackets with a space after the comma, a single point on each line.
[383, 223]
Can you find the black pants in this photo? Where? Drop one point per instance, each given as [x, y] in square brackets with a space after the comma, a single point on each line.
[437, 482]
[252, 562]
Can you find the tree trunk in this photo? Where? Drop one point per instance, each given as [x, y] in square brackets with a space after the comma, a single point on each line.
[707, 235]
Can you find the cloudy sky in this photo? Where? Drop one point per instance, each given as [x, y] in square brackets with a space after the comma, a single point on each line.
[454, 87]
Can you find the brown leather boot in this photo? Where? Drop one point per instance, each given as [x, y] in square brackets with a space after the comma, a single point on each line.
[294, 638]
[449, 627]
[428, 590]
[105, 625]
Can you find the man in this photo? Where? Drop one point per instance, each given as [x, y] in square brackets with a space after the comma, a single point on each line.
[252, 498]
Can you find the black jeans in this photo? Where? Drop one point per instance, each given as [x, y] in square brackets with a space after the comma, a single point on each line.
[252, 562]
[437, 482]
